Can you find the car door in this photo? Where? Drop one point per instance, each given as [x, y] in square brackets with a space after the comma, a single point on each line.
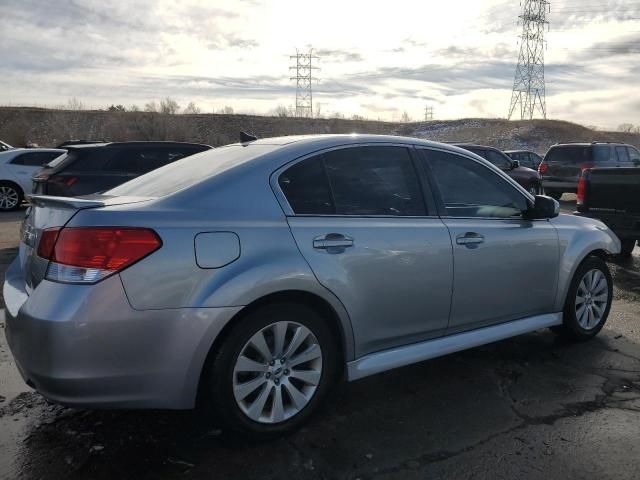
[359, 218]
[623, 157]
[505, 266]
[634, 156]
[23, 166]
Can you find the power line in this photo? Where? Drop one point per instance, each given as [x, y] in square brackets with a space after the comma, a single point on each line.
[304, 68]
[428, 113]
[528, 85]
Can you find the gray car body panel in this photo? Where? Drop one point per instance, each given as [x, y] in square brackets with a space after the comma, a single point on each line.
[140, 338]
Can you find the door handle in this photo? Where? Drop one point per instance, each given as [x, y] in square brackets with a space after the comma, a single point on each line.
[332, 241]
[470, 238]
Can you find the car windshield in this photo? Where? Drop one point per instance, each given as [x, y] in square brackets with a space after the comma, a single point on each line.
[58, 160]
[189, 171]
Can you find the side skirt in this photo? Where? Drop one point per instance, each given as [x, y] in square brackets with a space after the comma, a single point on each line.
[418, 352]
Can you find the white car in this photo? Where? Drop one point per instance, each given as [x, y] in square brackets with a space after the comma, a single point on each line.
[17, 166]
[4, 146]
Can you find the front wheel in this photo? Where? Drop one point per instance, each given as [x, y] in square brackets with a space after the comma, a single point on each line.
[273, 370]
[588, 300]
[534, 189]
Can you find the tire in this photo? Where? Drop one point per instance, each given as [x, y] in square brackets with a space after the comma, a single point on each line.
[534, 189]
[255, 415]
[555, 195]
[627, 246]
[11, 196]
[577, 325]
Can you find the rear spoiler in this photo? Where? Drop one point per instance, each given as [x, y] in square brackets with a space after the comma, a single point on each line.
[65, 202]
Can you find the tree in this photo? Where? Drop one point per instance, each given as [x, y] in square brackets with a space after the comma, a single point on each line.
[74, 104]
[151, 106]
[626, 127]
[134, 108]
[117, 108]
[169, 106]
[281, 111]
[405, 118]
[192, 109]
[227, 110]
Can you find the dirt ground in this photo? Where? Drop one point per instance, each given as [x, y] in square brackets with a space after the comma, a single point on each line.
[529, 408]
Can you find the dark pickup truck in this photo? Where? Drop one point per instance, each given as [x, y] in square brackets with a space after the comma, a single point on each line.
[612, 195]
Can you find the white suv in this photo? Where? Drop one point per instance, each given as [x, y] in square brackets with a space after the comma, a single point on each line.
[16, 168]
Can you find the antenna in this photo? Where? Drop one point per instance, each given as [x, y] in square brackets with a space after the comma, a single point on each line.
[428, 113]
[304, 78]
[529, 93]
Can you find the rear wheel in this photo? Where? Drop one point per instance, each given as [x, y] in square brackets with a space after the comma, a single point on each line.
[588, 301]
[10, 196]
[273, 370]
[627, 246]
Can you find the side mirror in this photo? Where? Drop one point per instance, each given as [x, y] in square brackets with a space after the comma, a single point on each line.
[515, 164]
[544, 207]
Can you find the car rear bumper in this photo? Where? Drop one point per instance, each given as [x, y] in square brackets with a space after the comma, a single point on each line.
[85, 346]
[561, 186]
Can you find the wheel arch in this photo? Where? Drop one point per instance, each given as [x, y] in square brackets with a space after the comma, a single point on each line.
[335, 318]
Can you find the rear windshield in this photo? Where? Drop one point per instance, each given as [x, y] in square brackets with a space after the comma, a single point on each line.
[189, 171]
[58, 160]
[579, 154]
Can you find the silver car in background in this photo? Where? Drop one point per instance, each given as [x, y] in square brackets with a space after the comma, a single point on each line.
[253, 277]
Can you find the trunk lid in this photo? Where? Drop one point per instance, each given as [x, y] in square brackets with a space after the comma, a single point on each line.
[48, 212]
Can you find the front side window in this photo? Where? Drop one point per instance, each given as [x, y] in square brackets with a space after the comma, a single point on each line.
[470, 190]
[623, 155]
[634, 155]
[356, 181]
[498, 159]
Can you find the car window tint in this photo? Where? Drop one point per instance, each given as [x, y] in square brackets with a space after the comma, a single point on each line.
[623, 155]
[85, 160]
[34, 159]
[634, 155]
[306, 187]
[570, 154]
[498, 159]
[374, 181]
[469, 189]
[477, 151]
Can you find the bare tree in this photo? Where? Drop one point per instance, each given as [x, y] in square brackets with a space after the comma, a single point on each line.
[227, 110]
[192, 109]
[281, 111]
[74, 104]
[151, 106]
[169, 106]
[626, 127]
[318, 113]
[405, 118]
[134, 108]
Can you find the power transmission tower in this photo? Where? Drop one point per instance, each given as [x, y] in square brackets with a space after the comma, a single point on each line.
[304, 78]
[528, 86]
[428, 113]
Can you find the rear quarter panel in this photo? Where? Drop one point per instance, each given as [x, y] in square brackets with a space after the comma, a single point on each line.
[579, 237]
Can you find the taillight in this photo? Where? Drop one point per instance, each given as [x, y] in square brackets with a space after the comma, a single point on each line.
[68, 181]
[89, 254]
[582, 187]
[542, 168]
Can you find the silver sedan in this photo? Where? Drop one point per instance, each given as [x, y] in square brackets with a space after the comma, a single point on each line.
[255, 276]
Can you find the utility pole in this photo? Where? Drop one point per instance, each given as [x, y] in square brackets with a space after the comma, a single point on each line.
[529, 94]
[304, 68]
[428, 113]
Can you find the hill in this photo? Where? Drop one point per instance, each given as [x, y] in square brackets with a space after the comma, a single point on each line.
[19, 126]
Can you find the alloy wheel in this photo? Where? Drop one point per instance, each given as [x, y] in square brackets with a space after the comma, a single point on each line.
[592, 297]
[277, 372]
[9, 198]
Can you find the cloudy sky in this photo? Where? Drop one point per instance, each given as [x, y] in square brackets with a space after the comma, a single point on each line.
[377, 59]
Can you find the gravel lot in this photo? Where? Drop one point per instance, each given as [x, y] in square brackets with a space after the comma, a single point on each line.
[530, 407]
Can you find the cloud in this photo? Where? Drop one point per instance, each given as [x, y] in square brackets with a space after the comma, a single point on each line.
[339, 55]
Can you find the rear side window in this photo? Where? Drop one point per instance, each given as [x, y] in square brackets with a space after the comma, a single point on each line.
[34, 159]
[356, 181]
[570, 154]
[470, 190]
[139, 161]
[306, 187]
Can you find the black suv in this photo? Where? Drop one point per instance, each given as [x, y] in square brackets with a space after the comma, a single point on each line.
[93, 168]
[564, 163]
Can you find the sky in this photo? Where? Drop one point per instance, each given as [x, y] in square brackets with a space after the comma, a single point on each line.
[377, 59]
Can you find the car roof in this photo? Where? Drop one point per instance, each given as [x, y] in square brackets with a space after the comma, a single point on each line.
[519, 151]
[474, 145]
[89, 146]
[14, 151]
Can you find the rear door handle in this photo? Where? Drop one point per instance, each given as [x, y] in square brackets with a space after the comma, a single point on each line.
[469, 238]
[332, 241]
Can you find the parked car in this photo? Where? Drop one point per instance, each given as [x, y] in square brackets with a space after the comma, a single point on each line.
[254, 276]
[526, 177]
[4, 147]
[563, 164]
[91, 168]
[16, 168]
[527, 158]
[612, 195]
